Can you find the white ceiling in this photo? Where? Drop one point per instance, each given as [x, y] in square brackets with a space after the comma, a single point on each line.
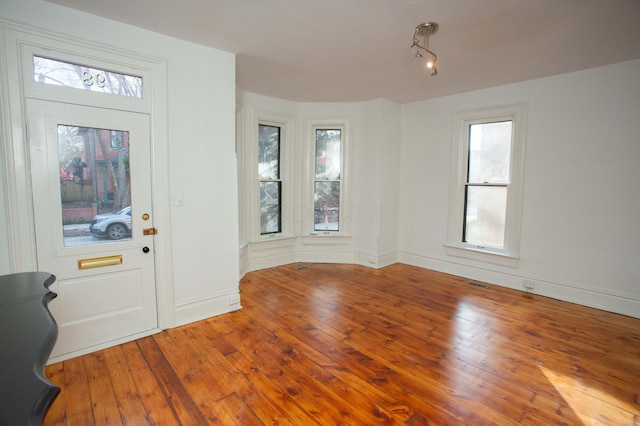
[354, 50]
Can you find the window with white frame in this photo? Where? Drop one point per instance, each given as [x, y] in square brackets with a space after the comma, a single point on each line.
[328, 174]
[486, 184]
[270, 179]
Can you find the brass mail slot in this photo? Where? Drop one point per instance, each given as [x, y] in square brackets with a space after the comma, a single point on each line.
[99, 262]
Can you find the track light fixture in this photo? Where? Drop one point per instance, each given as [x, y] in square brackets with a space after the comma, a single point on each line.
[424, 31]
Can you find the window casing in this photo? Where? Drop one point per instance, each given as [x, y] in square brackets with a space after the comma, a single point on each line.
[267, 181]
[270, 181]
[486, 184]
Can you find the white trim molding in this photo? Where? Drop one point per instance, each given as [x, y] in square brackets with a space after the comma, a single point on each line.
[508, 254]
[625, 304]
[311, 124]
[205, 307]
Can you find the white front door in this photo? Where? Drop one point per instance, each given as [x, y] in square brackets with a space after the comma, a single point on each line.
[91, 187]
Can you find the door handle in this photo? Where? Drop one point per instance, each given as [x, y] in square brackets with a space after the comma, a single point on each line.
[145, 249]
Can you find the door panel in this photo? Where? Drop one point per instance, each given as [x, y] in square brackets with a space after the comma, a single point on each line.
[106, 286]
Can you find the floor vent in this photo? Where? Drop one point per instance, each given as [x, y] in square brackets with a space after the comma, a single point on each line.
[483, 286]
[300, 268]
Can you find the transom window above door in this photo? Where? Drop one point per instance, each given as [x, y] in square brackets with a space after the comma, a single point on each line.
[59, 73]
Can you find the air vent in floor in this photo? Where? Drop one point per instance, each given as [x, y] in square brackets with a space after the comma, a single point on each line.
[483, 286]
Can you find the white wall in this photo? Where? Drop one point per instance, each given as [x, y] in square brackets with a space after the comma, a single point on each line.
[201, 139]
[581, 217]
[5, 265]
[375, 163]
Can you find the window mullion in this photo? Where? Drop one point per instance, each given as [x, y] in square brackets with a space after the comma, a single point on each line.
[505, 185]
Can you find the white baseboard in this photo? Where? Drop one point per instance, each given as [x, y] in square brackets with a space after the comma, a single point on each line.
[326, 257]
[203, 308]
[243, 256]
[377, 262]
[623, 304]
[272, 261]
[111, 343]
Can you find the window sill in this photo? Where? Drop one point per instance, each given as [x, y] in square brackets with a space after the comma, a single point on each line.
[326, 239]
[481, 255]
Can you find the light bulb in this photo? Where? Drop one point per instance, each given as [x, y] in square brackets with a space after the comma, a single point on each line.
[429, 64]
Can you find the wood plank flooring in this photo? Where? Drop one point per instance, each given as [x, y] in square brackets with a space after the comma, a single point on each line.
[348, 345]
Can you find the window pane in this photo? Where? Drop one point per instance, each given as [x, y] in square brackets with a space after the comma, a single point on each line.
[328, 154]
[50, 71]
[326, 206]
[268, 152]
[270, 207]
[95, 185]
[489, 152]
[485, 215]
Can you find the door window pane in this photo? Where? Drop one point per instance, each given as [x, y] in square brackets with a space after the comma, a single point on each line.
[485, 215]
[95, 186]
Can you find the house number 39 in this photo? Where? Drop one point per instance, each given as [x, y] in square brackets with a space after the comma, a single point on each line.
[89, 79]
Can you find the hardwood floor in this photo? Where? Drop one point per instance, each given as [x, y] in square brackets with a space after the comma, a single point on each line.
[348, 345]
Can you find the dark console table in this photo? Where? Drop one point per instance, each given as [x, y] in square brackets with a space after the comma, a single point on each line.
[27, 335]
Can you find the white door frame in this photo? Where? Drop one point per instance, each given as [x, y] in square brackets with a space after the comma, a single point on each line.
[15, 82]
